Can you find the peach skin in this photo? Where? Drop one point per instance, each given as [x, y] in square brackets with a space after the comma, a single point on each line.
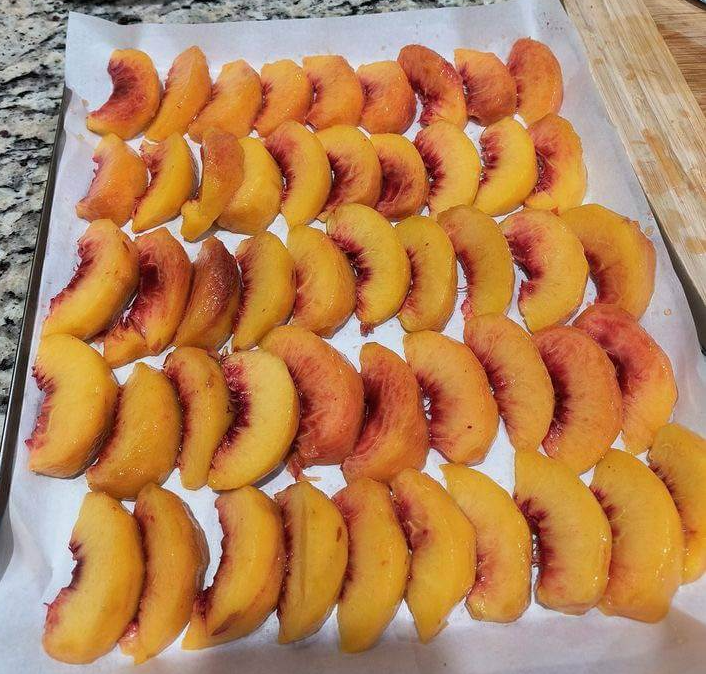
[104, 281]
[378, 564]
[89, 615]
[119, 180]
[338, 96]
[395, 435]
[389, 105]
[80, 395]
[286, 94]
[134, 99]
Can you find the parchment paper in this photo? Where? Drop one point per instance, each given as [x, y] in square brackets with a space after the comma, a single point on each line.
[42, 510]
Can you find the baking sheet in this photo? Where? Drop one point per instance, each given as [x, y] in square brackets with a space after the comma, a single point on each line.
[42, 510]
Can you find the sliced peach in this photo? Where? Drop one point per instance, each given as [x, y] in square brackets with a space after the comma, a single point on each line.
[134, 99]
[77, 411]
[378, 564]
[573, 534]
[552, 257]
[537, 74]
[509, 167]
[186, 92]
[325, 282]
[621, 258]
[648, 544]
[249, 575]
[678, 458]
[143, 445]
[338, 96]
[173, 181]
[236, 99]
[88, 616]
[119, 180]
[404, 179]
[207, 414]
[148, 326]
[644, 371]
[395, 434]
[437, 84]
[443, 544]
[286, 94]
[490, 90]
[176, 557]
[266, 409]
[378, 257]
[485, 259]
[388, 100]
[215, 294]
[432, 293]
[104, 281]
[464, 416]
[521, 384]
[501, 592]
[268, 288]
[316, 540]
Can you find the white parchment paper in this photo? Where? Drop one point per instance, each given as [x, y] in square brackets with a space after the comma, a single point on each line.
[42, 510]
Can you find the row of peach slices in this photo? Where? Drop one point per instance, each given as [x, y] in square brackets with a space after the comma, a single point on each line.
[621, 545]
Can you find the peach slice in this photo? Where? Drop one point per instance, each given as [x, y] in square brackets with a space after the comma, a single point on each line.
[648, 544]
[176, 557]
[378, 257]
[443, 544]
[222, 175]
[205, 402]
[88, 616]
[134, 99]
[316, 540]
[256, 202]
[395, 434]
[77, 411]
[645, 374]
[286, 94]
[501, 592]
[562, 174]
[307, 174]
[432, 293]
[325, 282]
[173, 181]
[388, 100]
[378, 564]
[552, 257]
[453, 165]
[485, 259]
[521, 384]
[404, 179]
[537, 74]
[186, 92]
[573, 534]
[464, 416]
[338, 96]
[149, 324]
[249, 575]
[330, 393]
[490, 90]
[268, 288]
[437, 84]
[587, 409]
[215, 294]
[357, 176]
[143, 445]
[678, 458]
[119, 180]
[266, 419]
[236, 98]
[621, 258]
[105, 279]
[509, 171]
